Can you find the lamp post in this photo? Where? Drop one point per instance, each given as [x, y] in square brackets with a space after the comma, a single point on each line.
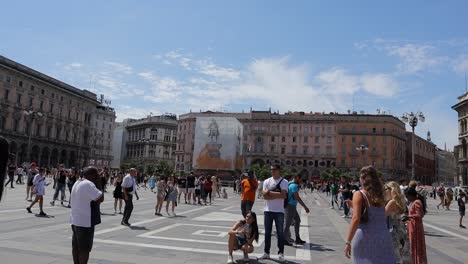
[363, 149]
[33, 115]
[412, 119]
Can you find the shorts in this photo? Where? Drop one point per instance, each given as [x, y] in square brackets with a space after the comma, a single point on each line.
[197, 192]
[190, 190]
[240, 242]
[182, 189]
[82, 238]
[462, 213]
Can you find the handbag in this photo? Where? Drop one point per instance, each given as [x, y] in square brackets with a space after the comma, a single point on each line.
[364, 209]
[34, 190]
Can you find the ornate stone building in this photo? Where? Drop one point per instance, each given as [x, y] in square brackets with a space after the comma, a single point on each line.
[424, 158]
[462, 149]
[151, 140]
[45, 120]
[308, 143]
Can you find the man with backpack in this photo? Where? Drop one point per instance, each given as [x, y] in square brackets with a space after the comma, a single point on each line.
[275, 190]
[249, 187]
[291, 214]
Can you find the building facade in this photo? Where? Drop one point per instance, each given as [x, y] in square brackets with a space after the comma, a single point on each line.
[308, 143]
[446, 167]
[424, 158]
[151, 140]
[103, 122]
[45, 120]
[119, 143]
[462, 149]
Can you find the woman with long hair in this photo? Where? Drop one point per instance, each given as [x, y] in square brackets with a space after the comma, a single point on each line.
[171, 194]
[416, 227]
[368, 238]
[449, 198]
[72, 178]
[118, 194]
[395, 208]
[242, 235]
[160, 194]
[40, 182]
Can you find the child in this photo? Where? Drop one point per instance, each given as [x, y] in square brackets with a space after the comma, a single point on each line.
[224, 193]
[461, 207]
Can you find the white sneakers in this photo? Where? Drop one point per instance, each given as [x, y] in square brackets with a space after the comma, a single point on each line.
[230, 260]
[281, 258]
[265, 256]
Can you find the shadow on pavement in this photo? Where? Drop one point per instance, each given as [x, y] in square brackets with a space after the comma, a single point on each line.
[44, 216]
[138, 228]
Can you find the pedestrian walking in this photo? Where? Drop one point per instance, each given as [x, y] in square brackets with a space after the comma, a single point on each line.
[118, 194]
[242, 235]
[334, 195]
[31, 174]
[249, 188]
[171, 195]
[191, 188]
[182, 187]
[11, 173]
[441, 194]
[61, 182]
[72, 178]
[346, 194]
[39, 182]
[208, 188]
[448, 198]
[275, 190]
[129, 188]
[461, 208]
[416, 227]
[197, 194]
[216, 186]
[395, 209]
[291, 215]
[5, 156]
[19, 175]
[160, 195]
[85, 214]
[152, 182]
[368, 237]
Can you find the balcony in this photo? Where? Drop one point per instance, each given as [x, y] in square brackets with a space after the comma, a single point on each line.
[373, 153]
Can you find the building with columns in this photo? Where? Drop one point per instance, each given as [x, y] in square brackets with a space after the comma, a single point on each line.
[45, 120]
[308, 143]
[151, 140]
[424, 158]
[462, 149]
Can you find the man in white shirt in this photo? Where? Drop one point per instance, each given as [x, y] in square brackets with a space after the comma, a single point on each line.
[129, 188]
[275, 190]
[85, 214]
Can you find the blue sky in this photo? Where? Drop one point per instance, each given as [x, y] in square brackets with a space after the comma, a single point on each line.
[177, 56]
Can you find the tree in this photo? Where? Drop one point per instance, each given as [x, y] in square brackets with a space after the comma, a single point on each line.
[262, 172]
[163, 168]
[150, 169]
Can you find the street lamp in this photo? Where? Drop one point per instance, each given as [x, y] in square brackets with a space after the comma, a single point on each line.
[33, 115]
[363, 149]
[412, 119]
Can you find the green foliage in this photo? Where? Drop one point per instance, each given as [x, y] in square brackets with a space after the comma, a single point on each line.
[150, 169]
[163, 168]
[262, 172]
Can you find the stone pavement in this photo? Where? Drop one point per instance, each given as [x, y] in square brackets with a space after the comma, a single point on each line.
[197, 235]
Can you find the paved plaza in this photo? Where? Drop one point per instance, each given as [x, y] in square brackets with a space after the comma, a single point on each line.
[198, 234]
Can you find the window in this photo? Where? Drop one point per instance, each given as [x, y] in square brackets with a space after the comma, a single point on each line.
[374, 139]
[353, 163]
[384, 130]
[317, 150]
[53, 95]
[317, 140]
[8, 79]
[20, 83]
[294, 139]
[306, 139]
[31, 101]
[42, 91]
[51, 108]
[305, 150]
[7, 93]
[306, 129]
[15, 125]
[384, 163]
[18, 98]
[294, 129]
[32, 88]
[284, 129]
[343, 139]
[272, 139]
[283, 150]
[61, 98]
[283, 139]
[374, 130]
[317, 130]
[343, 150]
[49, 132]
[329, 130]
[343, 163]
[294, 150]
[41, 105]
[329, 140]
[353, 139]
[272, 148]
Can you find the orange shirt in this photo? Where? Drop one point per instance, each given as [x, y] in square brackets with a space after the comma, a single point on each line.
[249, 190]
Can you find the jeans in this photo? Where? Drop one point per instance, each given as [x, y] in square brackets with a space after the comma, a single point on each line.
[269, 217]
[334, 200]
[246, 206]
[128, 209]
[60, 187]
[290, 215]
[345, 207]
[10, 179]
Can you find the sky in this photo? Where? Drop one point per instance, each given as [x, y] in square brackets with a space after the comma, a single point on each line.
[314, 56]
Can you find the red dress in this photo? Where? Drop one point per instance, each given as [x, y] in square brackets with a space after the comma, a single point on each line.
[416, 233]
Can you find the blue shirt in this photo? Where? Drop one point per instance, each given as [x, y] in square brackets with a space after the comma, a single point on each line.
[292, 189]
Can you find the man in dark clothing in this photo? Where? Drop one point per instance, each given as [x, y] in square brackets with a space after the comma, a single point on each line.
[61, 181]
[191, 188]
[345, 190]
[4, 156]
[11, 172]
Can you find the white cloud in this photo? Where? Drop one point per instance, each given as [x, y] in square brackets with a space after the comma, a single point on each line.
[73, 65]
[414, 57]
[461, 65]
[162, 89]
[379, 84]
[119, 67]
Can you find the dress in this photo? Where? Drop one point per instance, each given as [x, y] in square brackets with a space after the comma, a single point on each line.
[416, 233]
[118, 190]
[172, 191]
[372, 243]
[400, 240]
[161, 189]
[40, 183]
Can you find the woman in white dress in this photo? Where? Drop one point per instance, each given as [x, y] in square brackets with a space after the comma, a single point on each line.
[39, 182]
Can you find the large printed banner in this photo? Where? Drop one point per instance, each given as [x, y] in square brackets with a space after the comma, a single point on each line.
[218, 144]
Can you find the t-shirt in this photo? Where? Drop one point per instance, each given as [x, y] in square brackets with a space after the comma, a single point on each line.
[62, 177]
[334, 189]
[11, 169]
[461, 205]
[129, 182]
[190, 181]
[248, 189]
[292, 189]
[84, 192]
[348, 194]
[182, 182]
[275, 205]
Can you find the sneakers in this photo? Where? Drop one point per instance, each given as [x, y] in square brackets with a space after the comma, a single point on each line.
[42, 214]
[287, 243]
[52, 203]
[332, 207]
[29, 210]
[344, 216]
[281, 258]
[230, 260]
[265, 256]
[462, 226]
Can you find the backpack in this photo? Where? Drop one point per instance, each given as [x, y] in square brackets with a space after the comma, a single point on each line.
[286, 200]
